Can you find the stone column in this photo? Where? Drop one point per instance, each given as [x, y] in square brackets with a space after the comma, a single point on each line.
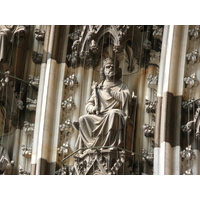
[46, 132]
[170, 89]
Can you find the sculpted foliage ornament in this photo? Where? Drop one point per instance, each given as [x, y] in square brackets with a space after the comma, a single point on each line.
[34, 81]
[28, 127]
[194, 32]
[191, 81]
[192, 57]
[39, 35]
[71, 82]
[37, 57]
[26, 151]
[149, 130]
[31, 104]
[68, 104]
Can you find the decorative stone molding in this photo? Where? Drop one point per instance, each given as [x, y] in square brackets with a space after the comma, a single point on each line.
[192, 57]
[194, 32]
[71, 82]
[150, 106]
[67, 126]
[37, 57]
[185, 104]
[68, 104]
[191, 81]
[149, 130]
[34, 81]
[29, 127]
[23, 172]
[31, 104]
[26, 151]
[154, 57]
[152, 81]
[147, 44]
[188, 156]
[4, 80]
[157, 32]
[39, 35]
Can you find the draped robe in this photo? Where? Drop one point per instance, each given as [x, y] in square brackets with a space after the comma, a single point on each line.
[106, 128]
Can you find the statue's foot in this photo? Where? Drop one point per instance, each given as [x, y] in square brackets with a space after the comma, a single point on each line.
[75, 125]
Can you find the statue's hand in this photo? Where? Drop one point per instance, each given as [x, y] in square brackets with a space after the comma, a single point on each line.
[95, 110]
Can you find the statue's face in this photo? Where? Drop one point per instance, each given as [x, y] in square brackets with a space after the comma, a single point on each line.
[109, 69]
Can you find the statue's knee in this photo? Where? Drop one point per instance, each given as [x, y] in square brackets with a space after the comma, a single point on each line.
[114, 112]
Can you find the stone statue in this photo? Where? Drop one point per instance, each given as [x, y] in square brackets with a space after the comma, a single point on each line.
[107, 110]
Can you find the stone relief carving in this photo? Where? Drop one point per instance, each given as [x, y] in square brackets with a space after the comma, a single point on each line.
[39, 35]
[194, 32]
[192, 57]
[188, 156]
[149, 130]
[64, 150]
[37, 57]
[71, 82]
[31, 104]
[34, 81]
[154, 57]
[28, 127]
[157, 32]
[67, 126]
[68, 104]
[152, 81]
[26, 151]
[191, 81]
[23, 172]
[148, 156]
[150, 106]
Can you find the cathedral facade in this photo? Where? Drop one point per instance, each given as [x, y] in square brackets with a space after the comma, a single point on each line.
[99, 99]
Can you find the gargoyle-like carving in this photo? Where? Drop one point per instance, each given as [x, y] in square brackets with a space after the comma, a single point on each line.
[150, 106]
[192, 57]
[67, 126]
[37, 57]
[28, 127]
[191, 81]
[34, 81]
[26, 151]
[31, 104]
[4, 80]
[188, 156]
[185, 104]
[149, 130]
[194, 32]
[152, 81]
[71, 82]
[154, 57]
[64, 149]
[68, 104]
[148, 156]
[157, 32]
[39, 35]
[23, 172]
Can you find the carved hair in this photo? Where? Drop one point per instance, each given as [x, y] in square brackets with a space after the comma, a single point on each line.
[118, 74]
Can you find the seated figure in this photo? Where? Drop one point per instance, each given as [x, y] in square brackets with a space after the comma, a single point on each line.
[107, 110]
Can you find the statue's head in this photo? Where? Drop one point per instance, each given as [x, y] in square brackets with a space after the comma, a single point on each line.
[114, 65]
